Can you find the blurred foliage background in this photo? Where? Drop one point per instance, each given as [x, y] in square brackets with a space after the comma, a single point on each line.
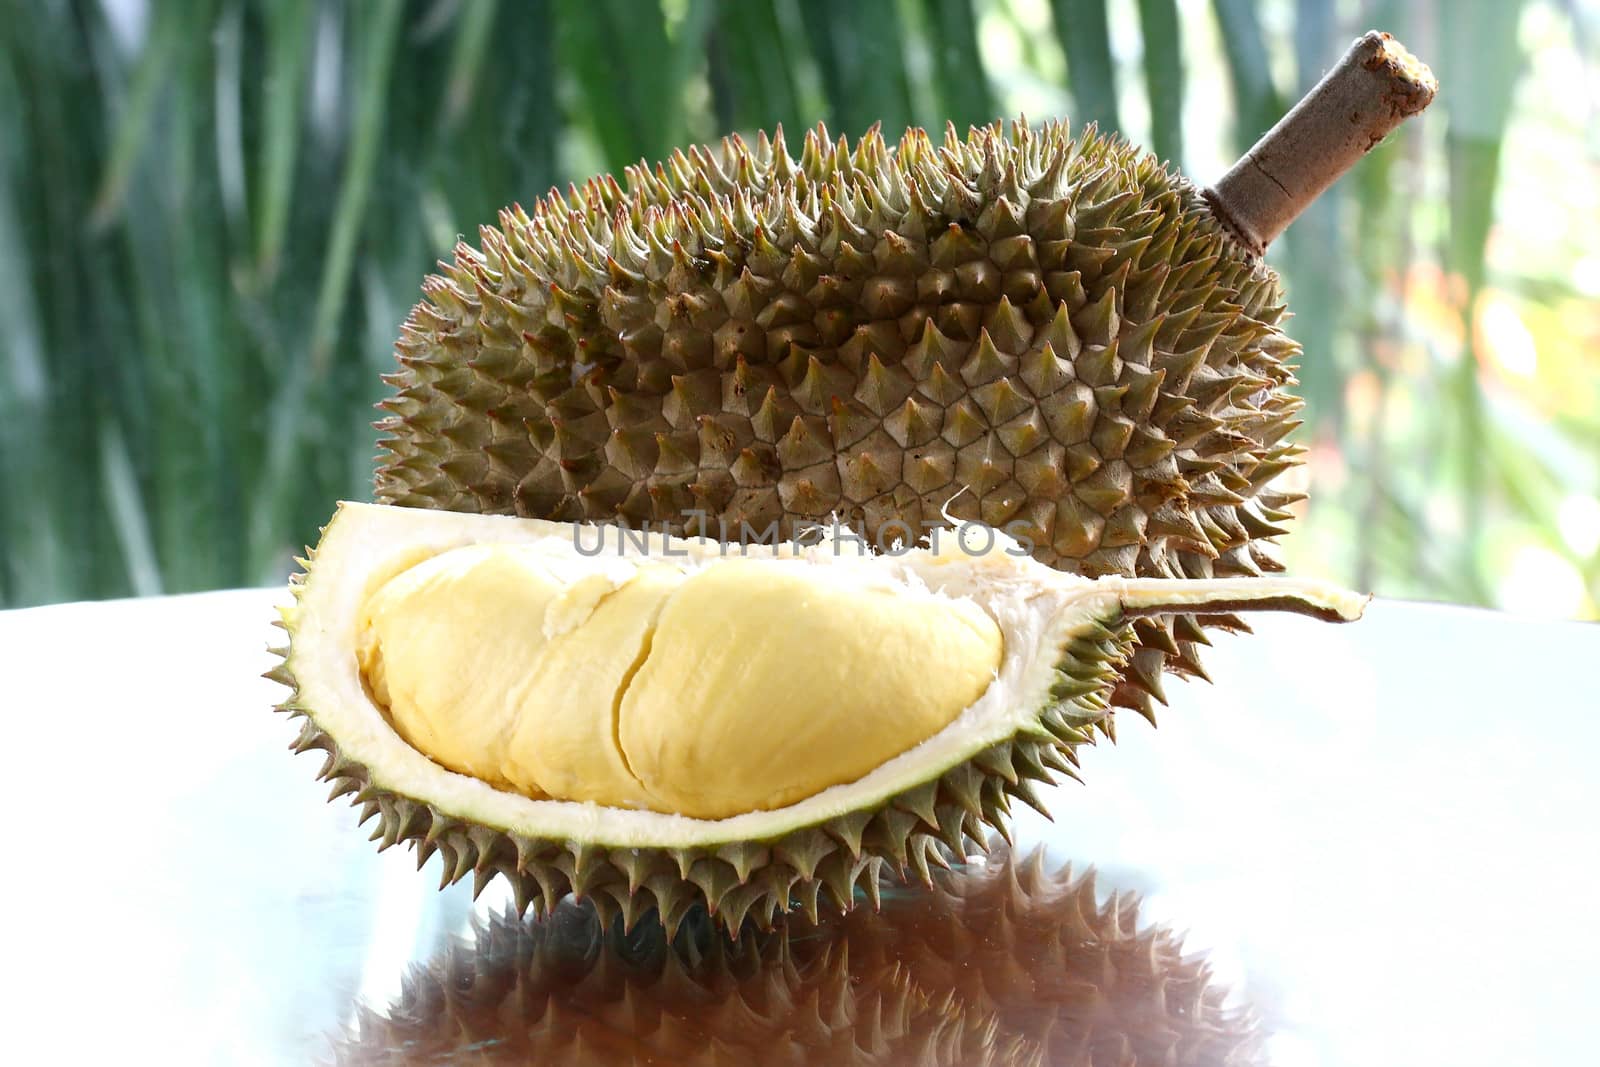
[214, 216]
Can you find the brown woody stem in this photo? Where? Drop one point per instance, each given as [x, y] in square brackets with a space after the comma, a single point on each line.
[1374, 88]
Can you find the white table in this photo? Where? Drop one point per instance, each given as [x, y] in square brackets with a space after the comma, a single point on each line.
[1381, 834]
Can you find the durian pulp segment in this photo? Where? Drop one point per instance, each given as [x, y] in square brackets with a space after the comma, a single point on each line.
[743, 686]
[406, 625]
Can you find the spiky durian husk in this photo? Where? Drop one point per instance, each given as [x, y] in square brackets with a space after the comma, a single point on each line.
[1056, 328]
[828, 864]
[1004, 963]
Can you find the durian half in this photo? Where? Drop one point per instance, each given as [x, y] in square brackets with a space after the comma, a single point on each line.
[654, 722]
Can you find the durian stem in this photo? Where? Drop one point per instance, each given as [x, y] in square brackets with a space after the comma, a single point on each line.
[1224, 596]
[1374, 88]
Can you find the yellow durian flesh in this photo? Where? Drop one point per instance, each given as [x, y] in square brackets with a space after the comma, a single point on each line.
[769, 681]
[429, 644]
[743, 685]
[565, 741]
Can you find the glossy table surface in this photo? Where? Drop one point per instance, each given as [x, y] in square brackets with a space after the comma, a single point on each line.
[1379, 837]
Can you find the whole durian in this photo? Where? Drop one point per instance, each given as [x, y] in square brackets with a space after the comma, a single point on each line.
[1045, 333]
[1050, 334]
[1002, 963]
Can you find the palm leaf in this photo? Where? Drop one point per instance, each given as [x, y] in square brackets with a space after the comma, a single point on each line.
[859, 53]
[1085, 35]
[1163, 77]
[959, 81]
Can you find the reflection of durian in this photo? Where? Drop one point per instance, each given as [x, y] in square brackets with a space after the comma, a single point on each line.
[652, 723]
[1046, 333]
[997, 964]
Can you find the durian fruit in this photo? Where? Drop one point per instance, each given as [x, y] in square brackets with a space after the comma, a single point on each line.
[999, 963]
[1047, 333]
[654, 723]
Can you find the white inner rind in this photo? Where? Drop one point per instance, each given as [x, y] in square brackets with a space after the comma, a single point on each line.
[1038, 610]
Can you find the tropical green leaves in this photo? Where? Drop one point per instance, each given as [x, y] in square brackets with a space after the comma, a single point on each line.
[214, 216]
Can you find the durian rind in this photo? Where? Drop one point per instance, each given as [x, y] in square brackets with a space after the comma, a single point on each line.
[1065, 642]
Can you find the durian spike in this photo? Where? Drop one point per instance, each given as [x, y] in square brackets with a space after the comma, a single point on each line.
[1374, 88]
